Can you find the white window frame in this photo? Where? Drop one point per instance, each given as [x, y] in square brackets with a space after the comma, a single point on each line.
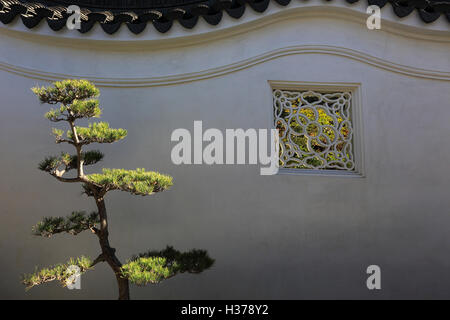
[357, 120]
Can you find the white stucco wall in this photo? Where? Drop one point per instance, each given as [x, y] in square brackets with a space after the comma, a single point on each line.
[277, 236]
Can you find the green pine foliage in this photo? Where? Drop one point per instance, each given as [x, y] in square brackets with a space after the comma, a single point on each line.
[58, 133]
[66, 92]
[89, 157]
[58, 272]
[54, 115]
[99, 132]
[50, 163]
[148, 270]
[139, 181]
[75, 223]
[85, 108]
[156, 266]
[68, 162]
[76, 110]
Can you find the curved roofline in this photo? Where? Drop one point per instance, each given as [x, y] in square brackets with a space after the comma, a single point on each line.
[187, 14]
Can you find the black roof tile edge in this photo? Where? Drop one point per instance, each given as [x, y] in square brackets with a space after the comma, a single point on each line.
[162, 19]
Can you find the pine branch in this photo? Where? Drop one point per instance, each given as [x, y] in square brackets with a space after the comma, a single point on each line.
[58, 133]
[139, 181]
[58, 272]
[66, 92]
[53, 163]
[98, 132]
[85, 109]
[76, 110]
[100, 258]
[68, 180]
[156, 266]
[68, 162]
[87, 190]
[55, 115]
[75, 223]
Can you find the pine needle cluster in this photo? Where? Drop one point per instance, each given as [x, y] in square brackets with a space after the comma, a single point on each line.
[155, 266]
[60, 272]
[139, 181]
[75, 223]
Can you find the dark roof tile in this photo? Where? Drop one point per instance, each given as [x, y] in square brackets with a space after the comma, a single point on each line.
[111, 14]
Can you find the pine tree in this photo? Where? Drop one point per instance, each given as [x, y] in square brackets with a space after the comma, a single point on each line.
[77, 99]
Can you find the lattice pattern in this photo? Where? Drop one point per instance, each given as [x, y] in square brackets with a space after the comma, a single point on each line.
[315, 129]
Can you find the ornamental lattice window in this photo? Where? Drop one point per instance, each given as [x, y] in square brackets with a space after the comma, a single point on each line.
[316, 129]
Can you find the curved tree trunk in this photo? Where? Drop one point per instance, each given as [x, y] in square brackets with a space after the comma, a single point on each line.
[108, 252]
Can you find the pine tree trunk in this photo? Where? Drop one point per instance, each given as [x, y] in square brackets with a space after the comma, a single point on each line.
[108, 252]
[124, 289]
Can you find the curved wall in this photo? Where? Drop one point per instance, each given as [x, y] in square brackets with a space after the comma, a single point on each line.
[277, 236]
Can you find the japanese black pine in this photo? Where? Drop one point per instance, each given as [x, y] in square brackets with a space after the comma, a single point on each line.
[78, 99]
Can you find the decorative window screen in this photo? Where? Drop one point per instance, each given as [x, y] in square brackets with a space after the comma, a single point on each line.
[316, 129]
